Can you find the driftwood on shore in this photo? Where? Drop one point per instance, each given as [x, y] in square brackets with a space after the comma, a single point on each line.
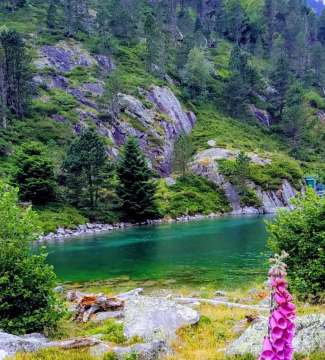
[88, 304]
[74, 343]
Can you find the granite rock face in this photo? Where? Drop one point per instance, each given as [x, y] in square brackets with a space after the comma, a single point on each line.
[205, 164]
[309, 337]
[157, 127]
[157, 121]
[67, 55]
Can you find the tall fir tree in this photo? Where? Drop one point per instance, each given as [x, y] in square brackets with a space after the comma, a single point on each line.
[136, 188]
[155, 59]
[86, 170]
[14, 67]
[35, 174]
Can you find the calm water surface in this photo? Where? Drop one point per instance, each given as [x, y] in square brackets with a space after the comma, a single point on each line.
[224, 252]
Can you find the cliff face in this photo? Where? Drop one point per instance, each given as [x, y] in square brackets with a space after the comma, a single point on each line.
[157, 120]
[205, 164]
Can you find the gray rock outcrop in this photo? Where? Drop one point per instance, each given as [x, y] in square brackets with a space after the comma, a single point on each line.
[309, 337]
[156, 318]
[157, 127]
[206, 164]
[10, 344]
[157, 121]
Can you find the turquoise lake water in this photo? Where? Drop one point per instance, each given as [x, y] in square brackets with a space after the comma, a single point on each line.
[226, 252]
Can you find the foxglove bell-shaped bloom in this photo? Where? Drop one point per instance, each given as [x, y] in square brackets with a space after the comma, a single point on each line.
[278, 344]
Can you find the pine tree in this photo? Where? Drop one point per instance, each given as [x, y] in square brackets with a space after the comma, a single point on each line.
[35, 174]
[196, 72]
[51, 14]
[321, 28]
[76, 16]
[136, 189]
[14, 66]
[236, 21]
[155, 60]
[86, 169]
[280, 78]
[294, 116]
[242, 82]
[182, 154]
[3, 91]
[109, 102]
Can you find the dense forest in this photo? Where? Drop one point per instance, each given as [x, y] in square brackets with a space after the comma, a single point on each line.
[74, 74]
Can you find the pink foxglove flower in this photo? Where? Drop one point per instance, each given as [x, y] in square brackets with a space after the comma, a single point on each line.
[278, 343]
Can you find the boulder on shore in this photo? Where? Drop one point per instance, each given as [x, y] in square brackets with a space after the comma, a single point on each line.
[156, 318]
[309, 337]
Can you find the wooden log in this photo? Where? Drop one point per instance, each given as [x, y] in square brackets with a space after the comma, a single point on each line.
[74, 343]
[221, 302]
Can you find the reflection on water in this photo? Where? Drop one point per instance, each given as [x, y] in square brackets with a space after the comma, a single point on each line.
[227, 252]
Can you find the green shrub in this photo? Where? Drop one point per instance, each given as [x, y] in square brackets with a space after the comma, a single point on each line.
[268, 176]
[28, 303]
[189, 196]
[35, 174]
[112, 331]
[301, 233]
[57, 215]
[271, 176]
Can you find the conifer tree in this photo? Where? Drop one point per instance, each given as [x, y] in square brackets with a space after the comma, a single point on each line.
[154, 45]
[35, 174]
[196, 72]
[14, 68]
[182, 154]
[51, 14]
[136, 189]
[86, 169]
[241, 83]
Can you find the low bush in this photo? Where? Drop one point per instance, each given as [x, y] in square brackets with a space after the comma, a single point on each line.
[56, 215]
[301, 233]
[190, 195]
[112, 331]
[28, 303]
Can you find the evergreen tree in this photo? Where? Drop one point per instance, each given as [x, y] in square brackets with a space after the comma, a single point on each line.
[51, 14]
[236, 20]
[14, 67]
[76, 16]
[182, 154]
[109, 102]
[242, 82]
[3, 91]
[35, 174]
[136, 189]
[86, 170]
[294, 116]
[280, 77]
[155, 60]
[321, 28]
[196, 73]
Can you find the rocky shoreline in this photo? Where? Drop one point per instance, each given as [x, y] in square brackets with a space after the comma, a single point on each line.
[89, 229]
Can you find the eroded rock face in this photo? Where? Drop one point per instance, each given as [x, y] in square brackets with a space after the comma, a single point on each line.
[261, 115]
[157, 123]
[67, 55]
[309, 337]
[156, 318]
[205, 164]
[167, 103]
[157, 128]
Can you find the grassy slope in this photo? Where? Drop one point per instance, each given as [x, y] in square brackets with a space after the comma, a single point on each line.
[211, 121]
